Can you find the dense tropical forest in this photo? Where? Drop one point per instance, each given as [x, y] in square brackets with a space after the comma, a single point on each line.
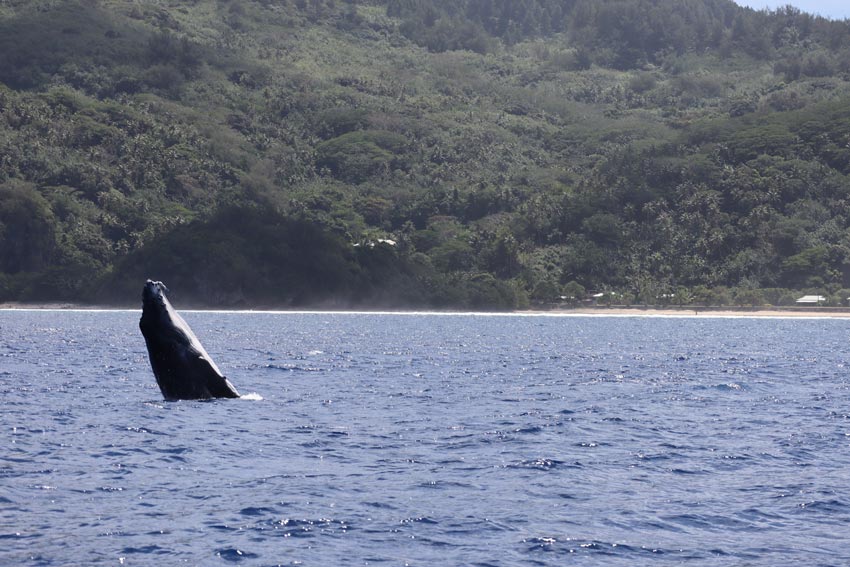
[482, 154]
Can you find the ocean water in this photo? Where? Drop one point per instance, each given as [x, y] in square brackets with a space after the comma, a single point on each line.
[380, 439]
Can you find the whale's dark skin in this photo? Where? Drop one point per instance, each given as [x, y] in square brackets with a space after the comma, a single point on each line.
[183, 369]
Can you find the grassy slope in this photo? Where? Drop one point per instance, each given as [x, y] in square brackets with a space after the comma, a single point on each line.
[476, 164]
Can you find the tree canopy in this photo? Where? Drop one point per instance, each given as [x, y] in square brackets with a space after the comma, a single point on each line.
[464, 153]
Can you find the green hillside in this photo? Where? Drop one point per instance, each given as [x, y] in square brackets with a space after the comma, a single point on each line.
[446, 153]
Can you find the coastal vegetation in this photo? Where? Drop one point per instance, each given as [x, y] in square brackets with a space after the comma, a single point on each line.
[483, 154]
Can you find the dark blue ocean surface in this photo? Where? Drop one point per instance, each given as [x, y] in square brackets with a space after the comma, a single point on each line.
[429, 440]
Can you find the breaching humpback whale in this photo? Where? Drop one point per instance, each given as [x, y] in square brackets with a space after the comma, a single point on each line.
[183, 369]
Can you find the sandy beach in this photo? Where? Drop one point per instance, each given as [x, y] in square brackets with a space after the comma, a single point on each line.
[776, 312]
[13, 305]
[599, 311]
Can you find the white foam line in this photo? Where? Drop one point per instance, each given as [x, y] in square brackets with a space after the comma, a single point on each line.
[561, 314]
[62, 310]
[430, 313]
[704, 315]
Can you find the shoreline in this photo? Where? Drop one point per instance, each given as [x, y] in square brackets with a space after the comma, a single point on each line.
[767, 312]
[600, 311]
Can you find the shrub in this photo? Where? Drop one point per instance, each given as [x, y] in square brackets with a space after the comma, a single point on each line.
[356, 156]
[27, 229]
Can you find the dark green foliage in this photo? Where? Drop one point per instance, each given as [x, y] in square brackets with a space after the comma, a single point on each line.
[681, 152]
[340, 120]
[749, 143]
[809, 268]
[250, 256]
[243, 254]
[619, 34]
[356, 156]
[27, 233]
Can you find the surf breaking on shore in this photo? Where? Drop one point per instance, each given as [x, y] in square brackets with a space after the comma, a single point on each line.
[683, 312]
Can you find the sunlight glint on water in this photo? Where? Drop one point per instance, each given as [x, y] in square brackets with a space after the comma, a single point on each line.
[425, 439]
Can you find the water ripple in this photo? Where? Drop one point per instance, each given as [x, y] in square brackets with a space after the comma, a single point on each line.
[428, 440]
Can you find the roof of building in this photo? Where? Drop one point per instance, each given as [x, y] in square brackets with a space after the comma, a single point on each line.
[811, 299]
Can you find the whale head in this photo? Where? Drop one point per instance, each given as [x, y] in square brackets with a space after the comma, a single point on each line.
[154, 293]
[155, 304]
[157, 311]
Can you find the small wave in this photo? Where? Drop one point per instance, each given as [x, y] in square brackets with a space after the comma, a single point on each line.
[286, 527]
[570, 546]
[727, 387]
[542, 464]
[300, 528]
[540, 541]
[380, 505]
[292, 368]
[683, 471]
[174, 450]
[443, 485]
[234, 555]
[253, 396]
[134, 429]
[528, 430]
[825, 506]
[709, 522]
[256, 511]
[419, 520]
[145, 549]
